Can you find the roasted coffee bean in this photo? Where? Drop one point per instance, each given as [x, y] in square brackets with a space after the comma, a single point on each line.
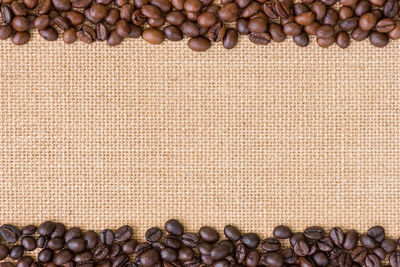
[241, 253]
[231, 232]
[325, 243]
[362, 8]
[44, 7]
[192, 16]
[63, 257]
[268, 8]
[172, 241]
[349, 24]
[42, 22]
[149, 257]
[62, 5]
[272, 259]
[16, 252]
[271, 244]
[142, 247]
[20, 38]
[359, 35]
[292, 29]
[105, 263]
[121, 259]
[287, 20]
[372, 260]
[185, 254]
[206, 19]
[217, 32]
[296, 237]
[345, 12]
[367, 21]
[169, 254]
[74, 232]
[19, 24]
[115, 249]
[7, 264]
[153, 234]
[4, 248]
[367, 241]
[394, 259]
[156, 22]
[126, 12]
[76, 245]
[379, 252]
[25, 261]
[45, 255]
[325, 42]
[31, 4]
[252, 259]
[7, 16]
[9, 232]
[241, 26]
[301, 248]
[276, 32]
[229, 12]
[18, 8]
[29, 243]
[342, 39]
[336, 234]
[100, 252]
[175, 18]
[304, 262]
[289, 257]
[113, 16]
[129, 246]
[344, 260]
[305, 18]
[81, 3]
[331, 18]
[251, 10]
[5, 33]
[391, 8]
[207, 233]
[388, 245]
[190, 239]
[83, 257]
[63, 24]
[90, 237]
[59, 229]
[379, 40]
[106, 237]
[123, 29]
[219, 252]
[319, 9]
[42, 241]
[257, 25]
[300, 8]
[351, 236]
[320, 259]
[283, 8]
[98, 11]
[377, 233]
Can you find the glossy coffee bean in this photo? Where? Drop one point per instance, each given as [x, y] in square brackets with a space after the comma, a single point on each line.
[69, 36]
[379, 40]
[153, 36]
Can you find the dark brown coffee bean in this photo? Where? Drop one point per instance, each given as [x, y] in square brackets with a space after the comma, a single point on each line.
[156, 22]
[301, 248]
[388, 245]
[349, 24]
[74, 17]
[113, 16]
[319, 9]
[106, 263]
[16, 252]
[138, 18]
[185, 254]
[342, 39]
[241, 26]
[44, 7]
[31, 4]
[277, 35]
[153, 234]
[296, 237]
[385, 25]
[3, 248]
[6, 14]
[372, 260]
[304, 262]
[120, 260]
[121, 3]
[367, 241]
[129, 246]
[61, 22]
[63, 256]
[42, 22]
[257, 25]
[45, 255]
[229, 12]
[336, 234]
[326, 42]
[158, 245]
[18, 8]
[305, 18]
[359, 35]
[56, 243]
[75, 232]
[379, 40]
[283, 8]
[5, 33]
[253, 257]
[325, 243]
[362, 8]
[87, 35]
[205, 248]
[230, 231]
[272, 259]
[289, 257]
[345, 260]
[76, 245]
[25, 261]
[62, 5]
[345, 12]
[172, 241]
[251, 10]
[100, 252]
[348, 2]
[300, 8]
[379, 252]
[98, 11]
[176, 18]
[331, 18]
[59, 230]
[106, 236]
[208, 233]
[367, 21]
[391, 8]
[29, 243]
[153, 36]
[320, 259]
[169, 254]
[81, 3]
[19, 24]
[142, 247]
[219, 252]
[192, 5]
[206, 19]
[83, 257]
[271, 244]
[42, 241]
[192, 16]
[394, 259]
[292, 29]
[268, 8]
[123, 29]
[151, 256]
[378, 3]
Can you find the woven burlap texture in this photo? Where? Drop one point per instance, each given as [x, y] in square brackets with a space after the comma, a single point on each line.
[98, 137]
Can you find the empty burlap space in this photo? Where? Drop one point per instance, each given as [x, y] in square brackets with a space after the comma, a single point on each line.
[257, 136]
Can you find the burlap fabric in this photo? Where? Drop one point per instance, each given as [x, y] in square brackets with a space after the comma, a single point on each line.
[257, 136]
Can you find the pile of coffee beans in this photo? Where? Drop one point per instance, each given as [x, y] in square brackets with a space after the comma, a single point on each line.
[53, 244]
[202, 21]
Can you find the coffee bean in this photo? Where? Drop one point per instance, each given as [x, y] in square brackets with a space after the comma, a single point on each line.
[25, 261]
[252, 259]
[345, 260]
[44, 7]
[7, 264]
[292, 29]
[283, 8]
[257, 25]
[272, 259]
[153, 36]
[241, 253]
[349, 24]
[351, 236]
[9, 232]
[174, 227]
[123, 29]
[185, 254]
[345, 12]
[379, 252]
[136, 32]
[251, 10]
[42, 22]
[63, 24]
[379, 40]
[367, 21]
[394, 259]
[29, 243]
[19, 24]
[104, 263]
[113, 16]
[87, 35]
[206, 233]
[69, 36]
[149, 257]
[337, 235]
[304, 262]
[325, 42]
[296, 237]
[320, 259]
[206, 19]
[126, 12]
[16, 252]
[62, 5]
[276, 32]
[6, 15]
[241, 26]
[3, 250]
[270, 244]
[31, 4]
[45, 255]
[5, 33]
[388, 245]
[129, 246]
[229, 12]
[81, 3]
[219, 252]
[98, 11]
[59, 229]
[100, 252]
[269, 10]
[18, 8]
[305, 18]
[120, 260]
[217, 32]
[331, 18]
[75, 232]
[362, 8]
[300, 8]
[205, 248]
[325, 243]
[153, 234]
[301, 248]
[319, 9]
[343, 41]
[391, 8]
[372, 261]
[359, 35]
[367, 241]
[169, 254]
[63, 256]
[78, 245]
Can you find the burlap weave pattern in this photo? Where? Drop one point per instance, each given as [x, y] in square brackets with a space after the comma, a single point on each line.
[98, 137]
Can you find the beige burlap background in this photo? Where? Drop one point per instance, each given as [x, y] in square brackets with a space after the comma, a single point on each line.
[98, 137]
